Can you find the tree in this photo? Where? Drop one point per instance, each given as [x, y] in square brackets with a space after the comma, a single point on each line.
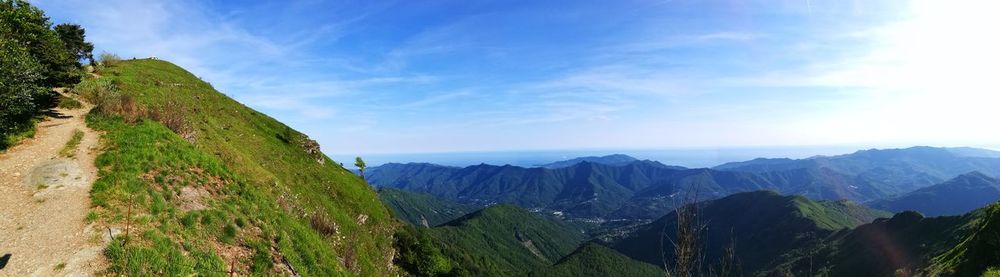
[74, 39]
[19, 78]
[28, 26]
[358, 162]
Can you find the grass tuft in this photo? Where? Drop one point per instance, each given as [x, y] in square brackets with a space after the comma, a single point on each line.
[69, 150]
[69, 103]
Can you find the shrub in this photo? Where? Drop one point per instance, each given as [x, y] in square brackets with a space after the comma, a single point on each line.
[110, 59]
[323, 224]
[174, 117]
[19, 86]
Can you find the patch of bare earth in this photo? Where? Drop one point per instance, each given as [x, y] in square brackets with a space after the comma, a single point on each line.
[44, 200]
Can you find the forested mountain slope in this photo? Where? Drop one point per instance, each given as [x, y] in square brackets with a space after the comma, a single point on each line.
[505, 240]
[907, 244]
[763, 225]
[422, 209]
[593, 259]
[957, 196]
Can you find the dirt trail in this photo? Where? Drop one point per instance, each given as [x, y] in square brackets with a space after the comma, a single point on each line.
[44, 200]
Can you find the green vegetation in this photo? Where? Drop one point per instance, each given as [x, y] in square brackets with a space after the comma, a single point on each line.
[419, 254]
[69, 103]
[202, 182]
[992, 272]
[978, 252]
[504, 240]
[32, 60]
[110, 59]
[69, 150]
[422, 209]
[593, 259]
[360, 164]
[74, 39]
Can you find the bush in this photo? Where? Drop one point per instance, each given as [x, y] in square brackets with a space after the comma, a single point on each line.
[173, 116]
[20, 78]
[323, 225]
[110, 59]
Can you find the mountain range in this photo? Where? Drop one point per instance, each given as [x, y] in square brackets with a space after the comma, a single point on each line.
[889, 171]
[647, 189]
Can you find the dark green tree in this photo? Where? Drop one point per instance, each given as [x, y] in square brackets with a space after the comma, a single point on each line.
[19, 78]
[74, 39]
[28, 26]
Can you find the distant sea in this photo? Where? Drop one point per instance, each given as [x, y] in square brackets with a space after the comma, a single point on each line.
[692, 158]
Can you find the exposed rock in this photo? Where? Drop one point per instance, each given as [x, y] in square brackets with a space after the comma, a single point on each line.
[312, 148]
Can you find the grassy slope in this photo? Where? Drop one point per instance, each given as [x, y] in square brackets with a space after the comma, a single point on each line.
[978, 251]
[415, 207]
[492, 241]
[593, 259]
[263, 190]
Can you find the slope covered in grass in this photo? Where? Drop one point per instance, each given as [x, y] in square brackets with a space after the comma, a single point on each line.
[422, 209]
[206, 183]
[504, 240]
[593, 259]
[979, 250]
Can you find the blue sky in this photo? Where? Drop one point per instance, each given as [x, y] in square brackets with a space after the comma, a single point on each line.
[367, 77]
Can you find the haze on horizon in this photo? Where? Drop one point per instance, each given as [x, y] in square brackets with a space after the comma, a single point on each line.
[453, 76]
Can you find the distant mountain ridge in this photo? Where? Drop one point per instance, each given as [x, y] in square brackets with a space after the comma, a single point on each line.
[644, 189]
[641, 189]
[892, 171]
[613, 159]
[960, 195]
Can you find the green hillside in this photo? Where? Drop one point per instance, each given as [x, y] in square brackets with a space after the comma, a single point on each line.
[593, 259]
[908, 244]
[422, 209]
[504, 240]
[978, 251]
[205, 183]
[763, 224]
